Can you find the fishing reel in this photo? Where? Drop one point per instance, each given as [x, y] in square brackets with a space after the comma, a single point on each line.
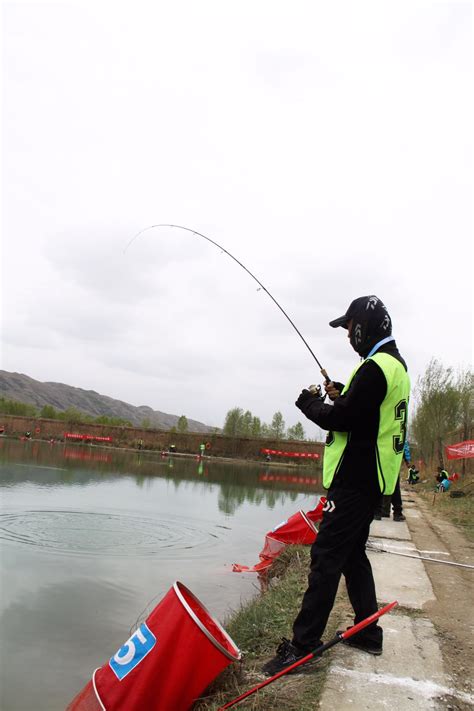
[316, 390]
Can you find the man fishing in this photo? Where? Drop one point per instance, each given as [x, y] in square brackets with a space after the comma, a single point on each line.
[366, 433]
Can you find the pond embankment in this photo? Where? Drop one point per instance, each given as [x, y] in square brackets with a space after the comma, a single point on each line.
[428, 643]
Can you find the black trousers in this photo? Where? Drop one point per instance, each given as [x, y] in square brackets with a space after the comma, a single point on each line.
[339, 549]
[397, 498]
[383, 507]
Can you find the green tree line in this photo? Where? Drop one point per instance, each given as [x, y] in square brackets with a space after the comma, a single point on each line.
[240, 423]
[71, 415]
[443, 403]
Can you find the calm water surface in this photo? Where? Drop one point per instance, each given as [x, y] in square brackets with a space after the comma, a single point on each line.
[91, 539]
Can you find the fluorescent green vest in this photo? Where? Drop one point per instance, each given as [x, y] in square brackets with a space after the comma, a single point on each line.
[392, 428]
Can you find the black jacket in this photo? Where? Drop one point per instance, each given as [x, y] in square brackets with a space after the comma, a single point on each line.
[356, 412]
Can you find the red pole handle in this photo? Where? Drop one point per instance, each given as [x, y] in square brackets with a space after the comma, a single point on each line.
[368, 620]
[267, 681]
[319, 650]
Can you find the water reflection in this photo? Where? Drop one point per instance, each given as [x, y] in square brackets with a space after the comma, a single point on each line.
[77, 465]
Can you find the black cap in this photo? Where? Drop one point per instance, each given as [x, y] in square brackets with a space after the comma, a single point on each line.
[356, 306]
[371, 322]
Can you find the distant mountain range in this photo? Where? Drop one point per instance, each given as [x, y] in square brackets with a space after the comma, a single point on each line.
[22, 388]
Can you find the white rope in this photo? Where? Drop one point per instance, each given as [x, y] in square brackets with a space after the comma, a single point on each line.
[96, 691]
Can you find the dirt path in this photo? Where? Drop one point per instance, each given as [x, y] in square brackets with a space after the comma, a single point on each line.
[452, 613]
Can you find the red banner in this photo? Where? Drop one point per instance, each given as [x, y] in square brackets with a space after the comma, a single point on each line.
[289, 479]
[461, 450]
[72, 435]
[279, 453]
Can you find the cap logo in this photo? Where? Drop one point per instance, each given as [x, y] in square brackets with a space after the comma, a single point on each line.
[358, 334]
[371, 303]
[386, 322]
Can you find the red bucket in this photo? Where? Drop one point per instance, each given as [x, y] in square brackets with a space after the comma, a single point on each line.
[166, 664]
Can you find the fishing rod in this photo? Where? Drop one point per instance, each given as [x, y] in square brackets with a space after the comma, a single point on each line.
[340, 637]
[219, 246]
[374, 547]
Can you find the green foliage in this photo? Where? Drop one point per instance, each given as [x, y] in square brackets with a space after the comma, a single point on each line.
[256, 427]
[113, 421]
[296, 432]
[465, 388]
[277, 428]
[443, 404]
[73, 416]
[21, 409]
[265, 431]
[182, 424]
[244, 424]
[145, 423]
[48, 412]
[233, 422]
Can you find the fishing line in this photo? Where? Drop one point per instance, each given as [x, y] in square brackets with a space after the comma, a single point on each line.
[216, 244]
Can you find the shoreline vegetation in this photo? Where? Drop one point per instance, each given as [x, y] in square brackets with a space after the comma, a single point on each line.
[257, 628]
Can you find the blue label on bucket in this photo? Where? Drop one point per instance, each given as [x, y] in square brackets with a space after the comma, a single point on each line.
[133, 651]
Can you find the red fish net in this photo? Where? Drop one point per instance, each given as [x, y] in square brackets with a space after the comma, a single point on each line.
[299, 529]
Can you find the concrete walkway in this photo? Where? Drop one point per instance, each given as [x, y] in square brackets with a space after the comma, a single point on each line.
[410, 673]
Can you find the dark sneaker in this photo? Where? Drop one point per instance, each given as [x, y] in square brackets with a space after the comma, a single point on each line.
[366, 644]
[286, 655]
[399, 517]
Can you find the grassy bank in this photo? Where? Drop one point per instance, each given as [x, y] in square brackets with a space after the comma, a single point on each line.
[257, 629]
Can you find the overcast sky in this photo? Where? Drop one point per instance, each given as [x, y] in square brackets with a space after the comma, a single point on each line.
[327, 146]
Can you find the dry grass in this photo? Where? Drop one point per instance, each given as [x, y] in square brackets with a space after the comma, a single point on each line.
[257, 629]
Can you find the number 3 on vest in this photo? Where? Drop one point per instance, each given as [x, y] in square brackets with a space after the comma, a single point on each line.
[401, 412]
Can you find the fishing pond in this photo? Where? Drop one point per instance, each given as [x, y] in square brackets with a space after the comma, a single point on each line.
[92, 538]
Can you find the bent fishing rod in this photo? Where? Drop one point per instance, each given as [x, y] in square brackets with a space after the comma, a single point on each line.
[261, 286]
[315, 654]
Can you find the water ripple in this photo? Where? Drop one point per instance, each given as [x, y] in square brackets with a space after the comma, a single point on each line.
[121, 535]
